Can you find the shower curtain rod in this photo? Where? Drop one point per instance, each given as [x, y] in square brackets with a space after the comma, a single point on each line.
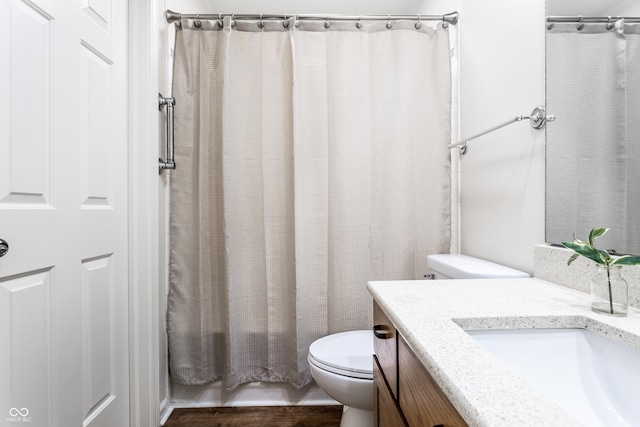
[592, 19]
[451, 18]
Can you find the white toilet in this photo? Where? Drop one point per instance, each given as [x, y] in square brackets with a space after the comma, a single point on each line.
[342, 364]
[455, 266]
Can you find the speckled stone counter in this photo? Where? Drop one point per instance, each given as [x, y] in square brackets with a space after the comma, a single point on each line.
[432, 317]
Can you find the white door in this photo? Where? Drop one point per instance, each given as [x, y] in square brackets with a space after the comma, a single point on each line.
[63, 213]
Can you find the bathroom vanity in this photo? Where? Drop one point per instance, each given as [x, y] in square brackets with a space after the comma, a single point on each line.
[404, 392]
[429, 371]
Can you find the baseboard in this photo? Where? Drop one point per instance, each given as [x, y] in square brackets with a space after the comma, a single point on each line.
[165, 414]
[250, 394]
[165, 411]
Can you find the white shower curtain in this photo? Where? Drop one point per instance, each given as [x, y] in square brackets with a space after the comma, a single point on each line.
[309, 161]
[593, 148]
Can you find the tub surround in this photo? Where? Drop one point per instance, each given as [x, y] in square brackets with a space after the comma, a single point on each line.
[432, 316]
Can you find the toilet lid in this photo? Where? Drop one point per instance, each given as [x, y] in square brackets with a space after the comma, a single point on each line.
[346, 353]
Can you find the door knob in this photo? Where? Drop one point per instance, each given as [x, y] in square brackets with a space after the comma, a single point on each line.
[4, 248]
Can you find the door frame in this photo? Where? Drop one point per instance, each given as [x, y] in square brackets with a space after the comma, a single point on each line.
[146, 324]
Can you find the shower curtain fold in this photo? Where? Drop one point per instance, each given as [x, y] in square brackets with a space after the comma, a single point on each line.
[309, 162]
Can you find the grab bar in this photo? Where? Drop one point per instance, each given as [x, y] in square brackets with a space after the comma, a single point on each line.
[537, 119]
[169, 103]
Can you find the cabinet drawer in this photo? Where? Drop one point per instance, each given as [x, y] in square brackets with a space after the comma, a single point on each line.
[385, 346]
[385, 408]
[421, 400]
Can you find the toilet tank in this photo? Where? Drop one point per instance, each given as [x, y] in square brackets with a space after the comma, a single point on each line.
[455, 266]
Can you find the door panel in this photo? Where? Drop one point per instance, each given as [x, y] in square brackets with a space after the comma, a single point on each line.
[64, 358]
[98, 335]
[26, 330]
[25, 161]
[96, 99]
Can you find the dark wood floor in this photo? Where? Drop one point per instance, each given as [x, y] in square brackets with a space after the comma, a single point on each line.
[262, 416]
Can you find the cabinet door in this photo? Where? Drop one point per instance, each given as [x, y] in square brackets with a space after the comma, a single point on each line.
[385, 408]
[385, 347]
[421, 400]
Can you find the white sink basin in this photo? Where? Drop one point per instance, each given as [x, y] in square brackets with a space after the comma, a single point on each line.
[595, 379]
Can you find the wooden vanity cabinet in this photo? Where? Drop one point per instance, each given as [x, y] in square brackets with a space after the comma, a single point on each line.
[385, 407]
[405, 394]
[386, 348]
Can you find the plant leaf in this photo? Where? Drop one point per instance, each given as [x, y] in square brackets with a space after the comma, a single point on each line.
[627, 260]
[587, 251]
[596, 232]
[573, 258]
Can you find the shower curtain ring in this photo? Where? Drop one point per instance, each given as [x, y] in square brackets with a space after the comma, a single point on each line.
[285, 23]
[549, 23]
[580, 23]
[610, 24]
[418, 23]
[261, 23]
[445, 24]
[220, 21]
[327, 24]
[389, 26]
[197, 22]
[297, 23]
[359, 23]
[233, 20]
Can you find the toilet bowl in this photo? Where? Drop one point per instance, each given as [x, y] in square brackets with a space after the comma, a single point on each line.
[342, 364]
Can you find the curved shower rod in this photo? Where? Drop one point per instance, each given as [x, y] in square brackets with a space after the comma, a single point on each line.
[537, 119]
[450, 18]
[581, 20]
[596, 19]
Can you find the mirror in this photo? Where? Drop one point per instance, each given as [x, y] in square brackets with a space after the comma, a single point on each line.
[593, 146]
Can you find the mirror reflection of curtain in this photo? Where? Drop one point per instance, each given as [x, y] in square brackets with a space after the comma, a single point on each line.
[632, 36]
[309, 161]
[593, 163]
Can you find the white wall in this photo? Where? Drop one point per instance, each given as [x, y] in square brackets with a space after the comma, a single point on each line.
[502, 175]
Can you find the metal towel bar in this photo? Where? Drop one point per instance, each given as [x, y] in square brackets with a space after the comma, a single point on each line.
[537, 119]
[169, 103]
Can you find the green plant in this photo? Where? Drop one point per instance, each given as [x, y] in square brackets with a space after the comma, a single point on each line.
[600, 256]
[588, 250]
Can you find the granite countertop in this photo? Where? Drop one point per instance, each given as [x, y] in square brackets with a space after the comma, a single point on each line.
[432, 315]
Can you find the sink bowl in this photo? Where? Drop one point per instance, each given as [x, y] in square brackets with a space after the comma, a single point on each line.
[595, 379]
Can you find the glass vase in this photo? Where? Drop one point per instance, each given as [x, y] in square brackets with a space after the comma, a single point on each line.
[609, 294]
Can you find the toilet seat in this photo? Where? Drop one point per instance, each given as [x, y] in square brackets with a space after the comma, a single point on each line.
[347, 353]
